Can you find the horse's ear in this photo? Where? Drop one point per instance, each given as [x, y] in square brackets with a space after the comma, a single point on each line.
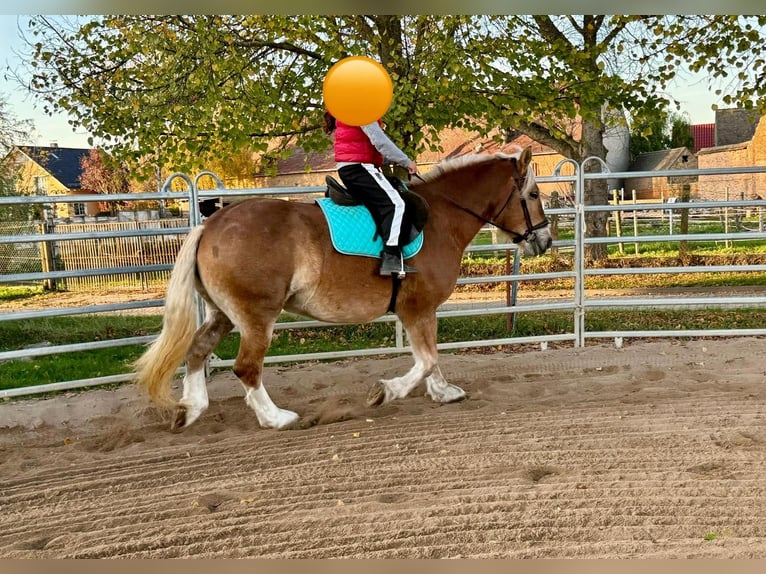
[525, 159]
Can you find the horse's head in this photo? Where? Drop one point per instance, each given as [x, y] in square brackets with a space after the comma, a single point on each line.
[520, 211]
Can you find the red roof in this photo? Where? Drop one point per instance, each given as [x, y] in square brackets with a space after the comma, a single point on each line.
[704, 136]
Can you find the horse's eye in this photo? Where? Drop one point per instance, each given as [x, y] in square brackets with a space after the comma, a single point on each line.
[534, 195]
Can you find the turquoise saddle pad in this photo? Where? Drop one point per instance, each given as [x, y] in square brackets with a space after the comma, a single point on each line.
[352, 230]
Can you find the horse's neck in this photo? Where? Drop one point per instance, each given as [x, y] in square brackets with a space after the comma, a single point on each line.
[450, 221]
[456, 205]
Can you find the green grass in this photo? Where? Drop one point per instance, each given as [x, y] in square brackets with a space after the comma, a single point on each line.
[96, 363]
[14, 292]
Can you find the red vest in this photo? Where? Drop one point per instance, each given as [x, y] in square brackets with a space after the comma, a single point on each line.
[353, 145]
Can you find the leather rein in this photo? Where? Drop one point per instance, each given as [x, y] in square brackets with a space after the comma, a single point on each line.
[517, 237]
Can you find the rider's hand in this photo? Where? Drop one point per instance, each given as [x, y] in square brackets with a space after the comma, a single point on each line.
[412, 169]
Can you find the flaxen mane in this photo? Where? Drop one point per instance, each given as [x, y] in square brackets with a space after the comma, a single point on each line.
[450, 165]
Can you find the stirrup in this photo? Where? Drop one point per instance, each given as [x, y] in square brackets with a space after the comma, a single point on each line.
[401, 268]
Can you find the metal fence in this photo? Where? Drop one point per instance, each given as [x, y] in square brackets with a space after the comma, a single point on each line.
[578, 304]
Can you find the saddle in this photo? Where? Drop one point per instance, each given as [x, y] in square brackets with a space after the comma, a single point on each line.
[415, 206]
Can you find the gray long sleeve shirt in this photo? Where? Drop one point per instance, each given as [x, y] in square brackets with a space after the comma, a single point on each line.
[384, 145]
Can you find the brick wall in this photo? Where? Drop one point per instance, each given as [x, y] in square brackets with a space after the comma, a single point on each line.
[751, 153]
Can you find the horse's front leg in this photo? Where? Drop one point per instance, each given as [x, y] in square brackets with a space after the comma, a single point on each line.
[440, 390]
[422, 336]
[387, 390]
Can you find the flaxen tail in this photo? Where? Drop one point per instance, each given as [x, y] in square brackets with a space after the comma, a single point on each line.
[156, 367]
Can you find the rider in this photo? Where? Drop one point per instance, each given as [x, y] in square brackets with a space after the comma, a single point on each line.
[360, 152]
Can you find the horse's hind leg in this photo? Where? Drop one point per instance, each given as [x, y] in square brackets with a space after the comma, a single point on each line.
[249, 368]
[194, 400]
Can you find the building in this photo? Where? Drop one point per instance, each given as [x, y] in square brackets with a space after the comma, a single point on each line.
[52, 170]
[661, 187]
[744, 150]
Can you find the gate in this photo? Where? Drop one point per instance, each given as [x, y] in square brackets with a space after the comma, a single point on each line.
[578, 303]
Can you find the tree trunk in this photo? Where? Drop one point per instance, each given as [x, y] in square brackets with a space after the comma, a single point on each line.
[596, 192]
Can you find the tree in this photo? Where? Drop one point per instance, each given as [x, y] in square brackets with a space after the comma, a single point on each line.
[13, 131]
[98, 174]
[665, 130]
[101, 175]
[191, 88]
[681, 132]
[732, 50]
[573, 68]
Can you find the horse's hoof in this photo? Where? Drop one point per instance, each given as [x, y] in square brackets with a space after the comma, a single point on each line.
[377, 395]
[179, 420]
[447, 394]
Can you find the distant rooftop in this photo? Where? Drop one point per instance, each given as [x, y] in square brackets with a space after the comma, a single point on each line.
[63, 163]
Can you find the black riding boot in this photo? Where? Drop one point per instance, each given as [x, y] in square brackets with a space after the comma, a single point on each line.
[392, 263]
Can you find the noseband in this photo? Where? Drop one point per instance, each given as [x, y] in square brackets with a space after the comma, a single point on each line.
[517, 237]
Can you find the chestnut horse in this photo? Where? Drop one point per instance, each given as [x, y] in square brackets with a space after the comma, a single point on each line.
[254, 258]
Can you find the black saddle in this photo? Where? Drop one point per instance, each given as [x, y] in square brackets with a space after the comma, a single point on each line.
[415, 206]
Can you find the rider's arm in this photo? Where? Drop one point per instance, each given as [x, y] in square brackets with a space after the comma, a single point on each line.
[384, 145]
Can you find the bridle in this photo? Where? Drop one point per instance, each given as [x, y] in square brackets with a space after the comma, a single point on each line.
[520, 181]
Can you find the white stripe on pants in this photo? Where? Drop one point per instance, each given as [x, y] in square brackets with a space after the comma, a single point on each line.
[396, 200]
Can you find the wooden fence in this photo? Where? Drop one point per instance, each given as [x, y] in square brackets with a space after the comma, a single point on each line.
[97, 253]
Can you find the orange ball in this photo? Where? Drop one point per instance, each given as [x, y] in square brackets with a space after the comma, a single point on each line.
[357, 90]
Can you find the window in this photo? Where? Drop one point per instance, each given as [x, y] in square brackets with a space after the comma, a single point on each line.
[79, 209]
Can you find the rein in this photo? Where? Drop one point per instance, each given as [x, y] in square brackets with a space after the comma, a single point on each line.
[517, 237]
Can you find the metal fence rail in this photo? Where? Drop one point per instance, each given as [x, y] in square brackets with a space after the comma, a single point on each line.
[578, 304]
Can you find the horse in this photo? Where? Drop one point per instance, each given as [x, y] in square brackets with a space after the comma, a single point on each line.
[257, 257]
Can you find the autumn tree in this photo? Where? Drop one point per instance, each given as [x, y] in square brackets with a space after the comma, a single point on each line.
[192, 89]
[101, 175]
[13, 131]
[196, 87]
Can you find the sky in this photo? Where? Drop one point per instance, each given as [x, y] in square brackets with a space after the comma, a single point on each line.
[692, 91]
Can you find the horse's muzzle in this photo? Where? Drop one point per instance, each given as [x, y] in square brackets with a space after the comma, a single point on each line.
[538, 242]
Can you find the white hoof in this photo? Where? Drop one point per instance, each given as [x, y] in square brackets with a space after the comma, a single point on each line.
[446, 393]
[281, 419]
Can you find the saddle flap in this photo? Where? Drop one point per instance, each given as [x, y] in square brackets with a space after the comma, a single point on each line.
[338, 193]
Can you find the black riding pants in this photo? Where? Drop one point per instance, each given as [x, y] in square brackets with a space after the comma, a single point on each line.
[368, 184]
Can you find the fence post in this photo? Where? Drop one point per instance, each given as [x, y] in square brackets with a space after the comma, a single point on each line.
[635, 223]
[726, 218]
[738, 212]
[685, 197]
[618, 221]
[554, 222]
[46, 256]
[579, 259]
